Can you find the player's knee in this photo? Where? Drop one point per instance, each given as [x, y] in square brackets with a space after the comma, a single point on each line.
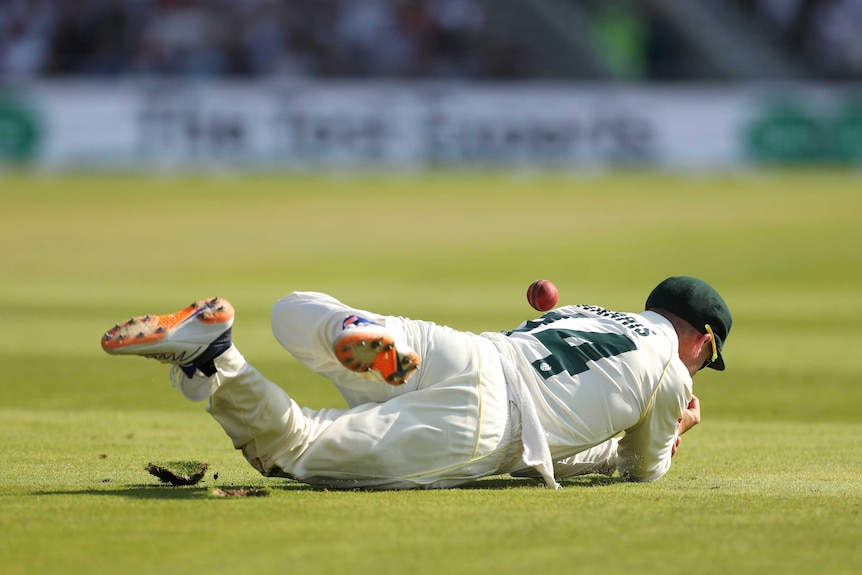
[293, 305]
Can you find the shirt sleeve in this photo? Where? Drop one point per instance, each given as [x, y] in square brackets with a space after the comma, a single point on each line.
[644, 452]
[601, 458]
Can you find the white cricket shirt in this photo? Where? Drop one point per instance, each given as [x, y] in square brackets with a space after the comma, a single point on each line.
[594, 373]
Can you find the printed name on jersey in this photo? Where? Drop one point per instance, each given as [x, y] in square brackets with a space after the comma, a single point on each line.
[625, 319]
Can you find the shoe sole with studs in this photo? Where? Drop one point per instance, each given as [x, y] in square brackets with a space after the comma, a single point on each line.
[368, 350]
[174, 337]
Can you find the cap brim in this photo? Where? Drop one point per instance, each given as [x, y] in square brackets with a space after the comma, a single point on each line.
[718, 364]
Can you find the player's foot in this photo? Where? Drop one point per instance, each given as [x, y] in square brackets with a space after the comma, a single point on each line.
[190, 338]
[369, 348]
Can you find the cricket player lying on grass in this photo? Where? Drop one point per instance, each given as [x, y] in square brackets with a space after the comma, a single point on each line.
[432, 407]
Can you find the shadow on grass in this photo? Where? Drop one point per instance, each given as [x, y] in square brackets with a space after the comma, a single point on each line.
[504, 482]
[161, 491]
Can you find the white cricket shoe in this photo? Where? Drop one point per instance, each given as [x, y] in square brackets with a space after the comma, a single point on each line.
[190, 338]
[370, 349]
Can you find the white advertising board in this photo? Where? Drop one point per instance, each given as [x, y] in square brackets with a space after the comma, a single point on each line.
[200, 125]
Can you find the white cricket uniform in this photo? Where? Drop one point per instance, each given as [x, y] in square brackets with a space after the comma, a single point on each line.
[593, 373]
[478, 405]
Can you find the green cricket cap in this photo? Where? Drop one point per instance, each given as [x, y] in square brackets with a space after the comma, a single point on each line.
[699, 304]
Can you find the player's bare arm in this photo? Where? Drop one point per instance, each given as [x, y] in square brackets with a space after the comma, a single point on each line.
[691, 415]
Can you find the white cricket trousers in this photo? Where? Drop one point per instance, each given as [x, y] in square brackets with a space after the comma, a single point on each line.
[452, 422]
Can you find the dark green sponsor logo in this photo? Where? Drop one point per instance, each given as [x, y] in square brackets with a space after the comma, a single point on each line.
[20, 131]
[791, 133]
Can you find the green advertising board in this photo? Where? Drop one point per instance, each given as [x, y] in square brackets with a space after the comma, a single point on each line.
[20, 131]
[797, 133]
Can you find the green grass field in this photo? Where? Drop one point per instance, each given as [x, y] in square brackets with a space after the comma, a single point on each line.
[770, 482]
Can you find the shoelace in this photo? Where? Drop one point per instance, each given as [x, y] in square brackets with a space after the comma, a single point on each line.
[177, 375]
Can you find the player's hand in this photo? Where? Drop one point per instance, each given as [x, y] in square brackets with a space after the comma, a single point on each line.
[675, 447]
[691, 415]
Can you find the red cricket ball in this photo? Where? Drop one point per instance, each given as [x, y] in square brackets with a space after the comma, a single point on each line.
[542, 295]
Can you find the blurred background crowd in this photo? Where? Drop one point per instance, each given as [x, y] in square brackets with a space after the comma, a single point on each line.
[472, 39]
[826, 33]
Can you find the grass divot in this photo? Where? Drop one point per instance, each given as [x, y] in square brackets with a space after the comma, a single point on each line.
[242, 492]
[179, 472]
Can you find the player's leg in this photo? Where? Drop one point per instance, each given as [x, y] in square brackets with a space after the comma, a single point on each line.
[454, 430]
[307, 323]
[434, 437]
[316, 328]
